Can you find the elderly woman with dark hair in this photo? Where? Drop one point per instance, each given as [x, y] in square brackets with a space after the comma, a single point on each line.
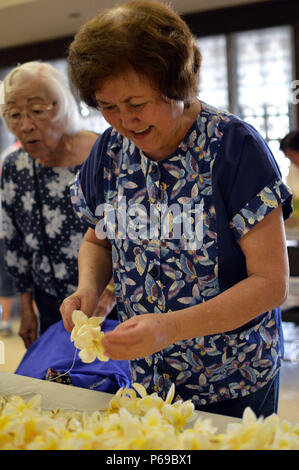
[185, 206]
[289, 145]
[42, 234]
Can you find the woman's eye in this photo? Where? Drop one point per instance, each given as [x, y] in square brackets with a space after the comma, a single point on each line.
[113, 107]
[14, 115]
[137, 105]
[107, 107]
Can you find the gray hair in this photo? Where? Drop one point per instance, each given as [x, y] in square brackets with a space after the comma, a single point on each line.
[68, 116]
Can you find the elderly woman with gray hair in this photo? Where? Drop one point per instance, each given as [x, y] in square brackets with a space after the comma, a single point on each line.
[42, 232]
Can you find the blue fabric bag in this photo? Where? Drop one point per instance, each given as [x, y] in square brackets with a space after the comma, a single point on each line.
[54, 350]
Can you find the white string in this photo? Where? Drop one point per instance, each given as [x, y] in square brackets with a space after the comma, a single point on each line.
[61, 375]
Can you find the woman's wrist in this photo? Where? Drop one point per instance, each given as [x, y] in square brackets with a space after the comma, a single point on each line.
[174, 327]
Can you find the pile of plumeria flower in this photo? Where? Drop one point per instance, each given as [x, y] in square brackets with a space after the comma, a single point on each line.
[132, 422]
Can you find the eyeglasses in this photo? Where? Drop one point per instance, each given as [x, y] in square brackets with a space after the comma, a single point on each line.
[36, 112]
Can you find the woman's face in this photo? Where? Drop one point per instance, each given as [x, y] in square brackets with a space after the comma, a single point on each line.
[293, 155]
[39, 138]
[131, 105]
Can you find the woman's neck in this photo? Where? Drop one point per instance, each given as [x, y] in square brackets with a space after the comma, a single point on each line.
[71, 150]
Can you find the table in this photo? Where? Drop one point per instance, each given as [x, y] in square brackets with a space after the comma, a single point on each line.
[69, 398]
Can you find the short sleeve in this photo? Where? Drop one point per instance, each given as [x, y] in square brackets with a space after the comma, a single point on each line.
[270, 197]
[249, 178]
[87, 188]
[79, 203]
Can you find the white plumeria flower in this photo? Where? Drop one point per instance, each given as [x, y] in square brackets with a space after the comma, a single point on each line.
[25, 426]
[87, 336]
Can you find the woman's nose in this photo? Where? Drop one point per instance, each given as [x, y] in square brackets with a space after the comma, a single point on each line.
[26, 123]
[128, 118]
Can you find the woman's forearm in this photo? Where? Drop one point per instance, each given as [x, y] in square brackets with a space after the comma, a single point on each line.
[95, 266]
[95, 269]
[27, 303]
[143, 335]
[229, 310]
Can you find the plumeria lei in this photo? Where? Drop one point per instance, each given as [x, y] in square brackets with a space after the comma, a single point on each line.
[87, 336]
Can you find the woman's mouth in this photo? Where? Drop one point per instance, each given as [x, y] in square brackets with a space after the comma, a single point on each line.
[141, 133]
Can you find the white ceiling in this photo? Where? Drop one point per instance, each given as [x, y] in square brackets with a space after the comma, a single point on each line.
[28, 21]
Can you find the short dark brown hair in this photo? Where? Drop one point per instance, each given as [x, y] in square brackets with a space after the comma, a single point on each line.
[290, 141]
[145, 35]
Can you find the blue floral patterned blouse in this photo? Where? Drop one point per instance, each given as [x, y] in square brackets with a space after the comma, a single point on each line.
[224, 170]
[24, 250]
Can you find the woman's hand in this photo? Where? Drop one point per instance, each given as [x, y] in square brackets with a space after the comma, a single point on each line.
[83, 299]
[28, 327]
[95, 270]
[140, 336]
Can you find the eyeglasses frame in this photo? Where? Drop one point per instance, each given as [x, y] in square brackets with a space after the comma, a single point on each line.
[24, 111]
